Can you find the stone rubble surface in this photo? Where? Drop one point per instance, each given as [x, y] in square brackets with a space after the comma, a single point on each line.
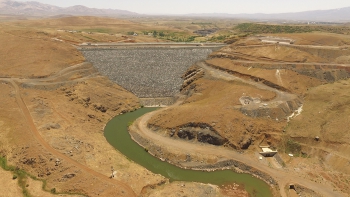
[146, 72]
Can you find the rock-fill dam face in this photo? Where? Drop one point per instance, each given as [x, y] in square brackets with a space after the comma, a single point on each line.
[146, 72]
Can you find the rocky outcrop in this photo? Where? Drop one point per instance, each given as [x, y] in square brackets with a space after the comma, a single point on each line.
[192, 74]
[200, 132]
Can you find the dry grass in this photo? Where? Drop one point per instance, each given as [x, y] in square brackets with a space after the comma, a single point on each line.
[94, 29]
[317, 38]
[214, 102]
[32, 53]
[325, 113]
[289, 79]
[280, 53]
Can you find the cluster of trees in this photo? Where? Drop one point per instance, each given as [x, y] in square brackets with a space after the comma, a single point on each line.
[254, 28]
[263, 28]
[175, 37]
[182, 37]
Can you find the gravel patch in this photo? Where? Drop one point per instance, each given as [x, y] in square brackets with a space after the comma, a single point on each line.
[146, 72]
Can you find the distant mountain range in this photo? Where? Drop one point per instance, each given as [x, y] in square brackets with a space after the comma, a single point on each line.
[32, 8]
[333, 15]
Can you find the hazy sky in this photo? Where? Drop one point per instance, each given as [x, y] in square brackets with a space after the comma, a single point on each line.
[205, 6]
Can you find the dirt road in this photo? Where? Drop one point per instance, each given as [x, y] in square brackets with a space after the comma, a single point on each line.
[282, 176]
[281, 97]
[32, 128]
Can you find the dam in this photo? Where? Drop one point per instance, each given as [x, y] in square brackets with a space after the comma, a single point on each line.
[148, 71]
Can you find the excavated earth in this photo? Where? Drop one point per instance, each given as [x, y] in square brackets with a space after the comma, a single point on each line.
[245, 96]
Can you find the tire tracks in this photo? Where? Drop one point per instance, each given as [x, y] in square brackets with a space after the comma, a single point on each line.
[282, 176]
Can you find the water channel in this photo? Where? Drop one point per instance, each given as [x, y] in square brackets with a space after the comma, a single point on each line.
[118, 136]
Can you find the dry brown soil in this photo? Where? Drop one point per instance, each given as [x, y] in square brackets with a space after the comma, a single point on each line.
[80, 29]
[317, 38]
[54, 109]
[213, 100]
[9, 187]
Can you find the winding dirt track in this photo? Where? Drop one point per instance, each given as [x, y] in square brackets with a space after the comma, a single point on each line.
[26, 113]
[289, 63]
[282, 176]
[280, 95]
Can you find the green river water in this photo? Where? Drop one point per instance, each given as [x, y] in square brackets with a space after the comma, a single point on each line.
[118, 136]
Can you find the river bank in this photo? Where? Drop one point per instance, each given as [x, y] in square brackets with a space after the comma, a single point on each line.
[117, 135]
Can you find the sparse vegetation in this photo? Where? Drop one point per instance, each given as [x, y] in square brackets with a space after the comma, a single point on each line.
[219, 38]
[293, 147]
[130, 123]
[263, 28]
[19, 174]
[23, 176]
[254, 28]
[53, 190]
[206, 94]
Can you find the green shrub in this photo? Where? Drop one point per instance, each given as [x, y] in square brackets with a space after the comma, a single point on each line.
[130, 123]
[293, 147]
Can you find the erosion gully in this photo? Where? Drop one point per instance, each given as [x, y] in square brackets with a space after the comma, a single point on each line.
[116, 133]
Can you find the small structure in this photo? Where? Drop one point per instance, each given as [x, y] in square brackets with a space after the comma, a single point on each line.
[267, 152]
[112, 175]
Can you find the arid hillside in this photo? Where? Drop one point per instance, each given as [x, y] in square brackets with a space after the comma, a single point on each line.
[32, 53]
[291, 97]
[80, 29]
[54, 107]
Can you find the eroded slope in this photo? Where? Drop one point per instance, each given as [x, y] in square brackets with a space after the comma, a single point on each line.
[313, 127]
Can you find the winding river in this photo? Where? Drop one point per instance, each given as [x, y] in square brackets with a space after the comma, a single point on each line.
[117, 135]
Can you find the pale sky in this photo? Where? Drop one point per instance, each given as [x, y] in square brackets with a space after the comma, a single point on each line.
[205, 6]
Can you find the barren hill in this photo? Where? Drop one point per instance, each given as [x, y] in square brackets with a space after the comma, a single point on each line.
[331, 15]
[33, 8]
[35, 52]
[254, 93]
[54, 107]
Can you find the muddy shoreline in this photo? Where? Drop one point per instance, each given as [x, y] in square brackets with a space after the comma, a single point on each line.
[181, 160]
